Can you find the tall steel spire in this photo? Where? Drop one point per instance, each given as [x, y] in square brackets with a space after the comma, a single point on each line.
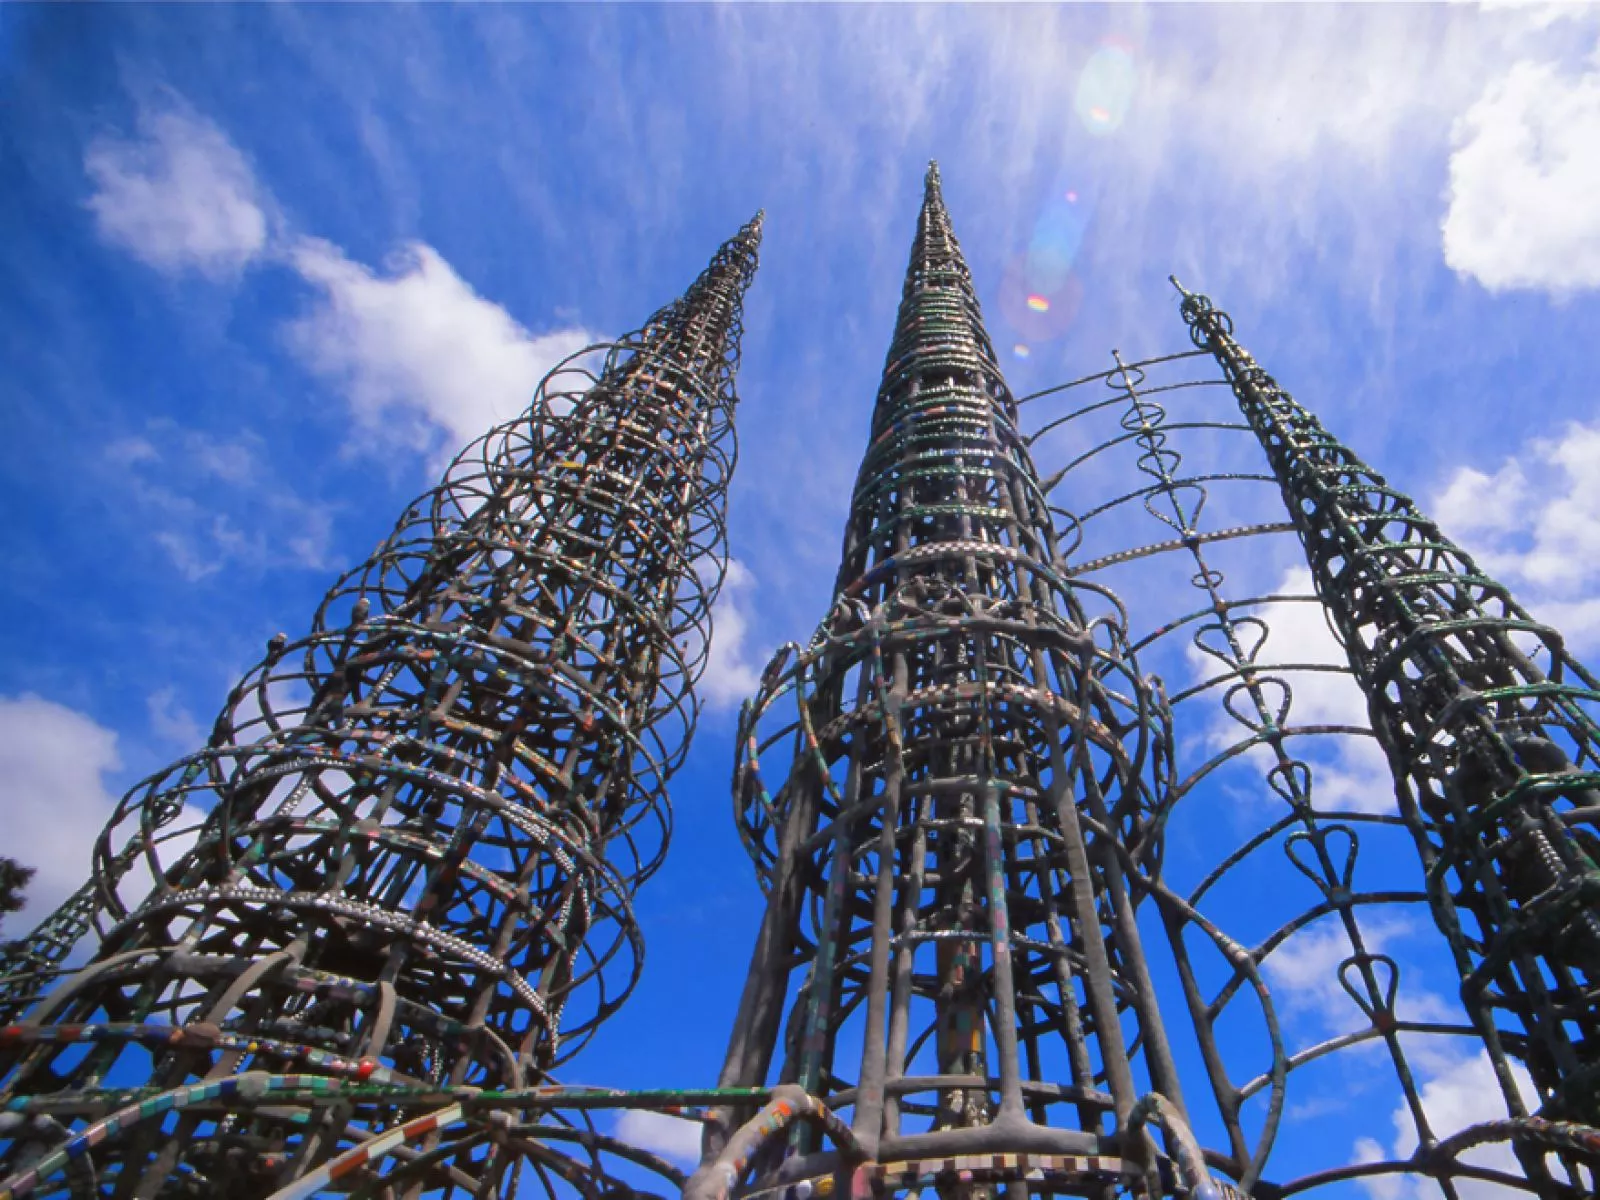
[404, 864]
[937, 790]
[1488, 724]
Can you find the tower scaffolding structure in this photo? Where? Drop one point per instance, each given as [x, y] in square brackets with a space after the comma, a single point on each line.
[1488, 725]
[1324, 1005]
[942, 792]
[972, 812]
[393, 895]
[394, 891]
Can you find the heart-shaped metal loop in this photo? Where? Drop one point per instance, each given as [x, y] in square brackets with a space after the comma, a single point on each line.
[1269, 699]
[1235, 640]
[1380, 984]
[1186, 501]
[1292, 781]
[1333, 865]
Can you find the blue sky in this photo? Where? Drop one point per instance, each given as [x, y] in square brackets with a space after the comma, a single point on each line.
[265, 267]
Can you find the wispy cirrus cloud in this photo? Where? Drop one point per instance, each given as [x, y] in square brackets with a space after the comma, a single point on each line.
[172, 722]
[210, 501]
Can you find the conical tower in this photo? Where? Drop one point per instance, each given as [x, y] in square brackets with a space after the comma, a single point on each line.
[1489, 728]
[938, 791]
[399, 878]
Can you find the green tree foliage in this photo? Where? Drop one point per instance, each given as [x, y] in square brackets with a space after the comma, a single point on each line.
[13, 879]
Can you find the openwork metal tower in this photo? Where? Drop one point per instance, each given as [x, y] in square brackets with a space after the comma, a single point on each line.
[393, 894]
[939, 792]
[1323, 1003]
[394, 891]
[972, 812]
[1488, 726]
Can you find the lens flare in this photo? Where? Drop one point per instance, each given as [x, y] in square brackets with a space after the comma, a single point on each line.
[1021, 350]
[1072, 197]
[1037, 315]
[1053, 249]
[1105, 89]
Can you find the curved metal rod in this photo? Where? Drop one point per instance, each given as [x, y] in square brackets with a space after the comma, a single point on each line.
[716, 1179]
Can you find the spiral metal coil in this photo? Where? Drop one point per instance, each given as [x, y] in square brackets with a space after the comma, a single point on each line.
[1322, 875]
[406, 859]
[935, 791]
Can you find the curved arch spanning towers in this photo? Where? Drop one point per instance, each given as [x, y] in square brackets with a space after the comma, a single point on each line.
[393, 894]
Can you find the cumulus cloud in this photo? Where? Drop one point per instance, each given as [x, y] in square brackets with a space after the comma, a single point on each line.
[1543, 538]
[177, 195]
[415, 350]
[55, 803]
[416, 344]
[731, 674]
[671, 1137]
[1462, 1094]
[1523, 176]
[54, 761]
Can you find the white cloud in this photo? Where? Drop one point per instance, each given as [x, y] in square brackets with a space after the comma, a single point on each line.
[54, 761]
[1523, 176]
[731, 675]
[1543, 541]
[126, 451]
[178, 196]
[419, 343]
[1460, 1094]
[232, 461]
[172, 722]
[416, 344]
[673, 1138]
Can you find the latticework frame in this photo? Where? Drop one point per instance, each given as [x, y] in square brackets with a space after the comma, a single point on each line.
[1322, 872]
[1489, 728]
[935, 791]
[394, 891]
